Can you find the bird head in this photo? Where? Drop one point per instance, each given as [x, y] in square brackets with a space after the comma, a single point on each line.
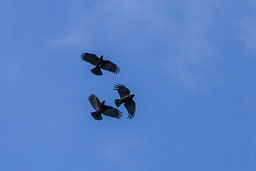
[132, 95]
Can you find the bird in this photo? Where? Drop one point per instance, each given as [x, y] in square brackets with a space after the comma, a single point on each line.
[99, 63]
[101, 108]
[126, 98]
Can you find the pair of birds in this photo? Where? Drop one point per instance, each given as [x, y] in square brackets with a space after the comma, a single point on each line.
[125, 97]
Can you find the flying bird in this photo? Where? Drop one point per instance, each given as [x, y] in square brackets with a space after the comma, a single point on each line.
[99, 63]
[101, 108]
[126, 98]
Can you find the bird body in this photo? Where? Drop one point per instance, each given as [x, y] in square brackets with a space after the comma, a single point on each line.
[126, 98]
[101, 108]
[99, 64]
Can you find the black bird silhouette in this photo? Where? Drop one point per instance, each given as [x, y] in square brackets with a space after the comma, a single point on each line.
[101, 108]
[126, 98]
[99, 63]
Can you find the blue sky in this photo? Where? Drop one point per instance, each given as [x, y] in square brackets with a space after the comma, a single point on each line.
[190, 63]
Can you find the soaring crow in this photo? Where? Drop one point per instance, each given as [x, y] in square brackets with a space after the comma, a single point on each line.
[101, 108]
[99, 63]
[126, 98]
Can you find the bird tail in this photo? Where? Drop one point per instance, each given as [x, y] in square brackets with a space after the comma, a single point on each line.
[96, 115]
[117, 102]
[96, 70]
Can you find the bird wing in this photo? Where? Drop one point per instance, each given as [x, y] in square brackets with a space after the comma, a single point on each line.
[122, 90]
[130, 106]
[110, 66]
[89, 57]
[95, 102]
[112, 112]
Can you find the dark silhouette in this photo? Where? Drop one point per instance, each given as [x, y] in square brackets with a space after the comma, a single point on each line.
[126, 98]
[99, 63]
[101, 108]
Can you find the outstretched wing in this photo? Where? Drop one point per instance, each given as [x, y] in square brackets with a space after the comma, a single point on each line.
[112, 112]
[95, 102]
[89, 57]
[130, 106]
[110, 66]
[122, 90]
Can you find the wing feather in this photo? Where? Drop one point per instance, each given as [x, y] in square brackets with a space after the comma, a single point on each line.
[130, 106]
[110, 66]
[112, 112]
[95, 102]
[89, 57]
[122, 90]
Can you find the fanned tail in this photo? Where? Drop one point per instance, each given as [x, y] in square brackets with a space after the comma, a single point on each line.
[117, 102]
[96, 70]
[96, 115]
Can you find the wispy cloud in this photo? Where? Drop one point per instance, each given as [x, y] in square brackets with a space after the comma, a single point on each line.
[71, 38]
[248, 27]
[179, 35]
[117, 147]
[88, 23]
[193, 59]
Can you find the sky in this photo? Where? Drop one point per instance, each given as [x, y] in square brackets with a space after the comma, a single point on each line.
[191, 64]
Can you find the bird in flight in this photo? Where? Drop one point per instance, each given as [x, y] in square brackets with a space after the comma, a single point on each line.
[101, 108]
[99, 63]
[126, 98]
